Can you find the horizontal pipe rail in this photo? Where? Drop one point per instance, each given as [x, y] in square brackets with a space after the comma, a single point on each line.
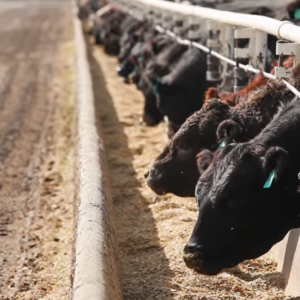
[282, 29]
[247, 68]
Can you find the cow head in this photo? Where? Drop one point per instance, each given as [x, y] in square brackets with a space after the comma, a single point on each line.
[130, 64]
[125, 68]
[181, 92]
[240, 216]
[174, 101]
[175, 169]
[128, 41]
[111, 45]
[151, 114]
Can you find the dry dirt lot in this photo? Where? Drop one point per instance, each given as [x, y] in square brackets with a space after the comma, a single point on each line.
[37, 160]
[37, 175]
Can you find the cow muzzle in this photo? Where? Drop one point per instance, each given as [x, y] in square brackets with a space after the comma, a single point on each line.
[193, 257]
[150, 120]
[153, 178]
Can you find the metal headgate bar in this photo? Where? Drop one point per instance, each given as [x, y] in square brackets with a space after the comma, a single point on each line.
[247, 68]
[126, 4]
[282, 29]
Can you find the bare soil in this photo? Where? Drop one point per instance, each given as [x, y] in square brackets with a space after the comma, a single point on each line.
[37, 160]
[153, 230]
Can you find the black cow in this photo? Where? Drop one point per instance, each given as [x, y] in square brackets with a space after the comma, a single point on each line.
[147, 44]
[168, 55]
[134, 66]
[173, 83]
[249, 118]
[109, 32]
[181, 92]
[187, 155]
[153, 45]
[131, 43]
[175, 169]
[248, 198]
[128, 39]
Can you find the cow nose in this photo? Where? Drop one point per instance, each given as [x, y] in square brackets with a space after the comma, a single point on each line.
[149, 120]
[121, 71]
[118, 69]
[193, 256]
[155, 181]
[146, 174]
[193, 250]
[126, 80]
[151, 173]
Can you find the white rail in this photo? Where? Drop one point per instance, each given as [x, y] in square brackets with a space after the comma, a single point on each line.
[149, 4]
[247, 68]
[284, 30]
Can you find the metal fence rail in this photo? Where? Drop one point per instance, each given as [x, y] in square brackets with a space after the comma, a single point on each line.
[247, 68]
[282, 29]
[140, 9]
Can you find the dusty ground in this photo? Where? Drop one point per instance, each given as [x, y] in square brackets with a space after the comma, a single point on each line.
[152, 230]
[37, 161]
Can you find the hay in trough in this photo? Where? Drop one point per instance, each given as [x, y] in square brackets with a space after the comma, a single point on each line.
[153, 230]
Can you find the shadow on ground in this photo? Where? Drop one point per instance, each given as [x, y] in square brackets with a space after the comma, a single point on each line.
[143, 264]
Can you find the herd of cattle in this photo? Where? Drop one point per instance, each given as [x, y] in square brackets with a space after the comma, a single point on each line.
[237, 153]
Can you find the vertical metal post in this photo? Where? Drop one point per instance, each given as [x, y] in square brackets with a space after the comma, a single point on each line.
[194, 29]
[220, 39]
[286, 48]
[255, 53]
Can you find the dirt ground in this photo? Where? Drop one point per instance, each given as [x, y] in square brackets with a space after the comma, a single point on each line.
[153, 230]
[37, 160]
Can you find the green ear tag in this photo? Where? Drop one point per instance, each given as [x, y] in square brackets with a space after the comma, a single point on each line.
[155, 89]
[222, 144]
[269, 181]
[297, 13]
[137, 69]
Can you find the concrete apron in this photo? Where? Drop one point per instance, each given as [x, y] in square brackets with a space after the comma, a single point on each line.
[95, 272]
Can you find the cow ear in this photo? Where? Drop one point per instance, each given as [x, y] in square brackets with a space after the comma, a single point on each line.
[274, 163]
[229, 131]
[204, 159]
[212, 92]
